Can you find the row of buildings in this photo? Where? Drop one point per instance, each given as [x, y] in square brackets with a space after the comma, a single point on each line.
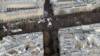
[12, 10]
[73, 41]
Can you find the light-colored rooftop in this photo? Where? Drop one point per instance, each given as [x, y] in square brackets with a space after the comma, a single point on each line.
[61, 7]
[14, 10]
[80, 40]
[28, 44]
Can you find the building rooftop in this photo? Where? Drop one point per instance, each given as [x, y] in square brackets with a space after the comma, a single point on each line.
[14, 10]
[61, 7]
[80, 41]
[28, 44]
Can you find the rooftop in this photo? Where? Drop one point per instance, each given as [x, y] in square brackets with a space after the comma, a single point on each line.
[81, 40]
[22, 45]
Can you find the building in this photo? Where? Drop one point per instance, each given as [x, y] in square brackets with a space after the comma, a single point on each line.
[80, 41]
[28, 44]
[12, 10]
[61, 7]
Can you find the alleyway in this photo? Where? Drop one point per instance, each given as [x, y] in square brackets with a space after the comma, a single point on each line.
[51, 43]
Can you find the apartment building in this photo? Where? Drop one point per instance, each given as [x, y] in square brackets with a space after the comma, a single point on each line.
[61, 7]
[12, 10]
